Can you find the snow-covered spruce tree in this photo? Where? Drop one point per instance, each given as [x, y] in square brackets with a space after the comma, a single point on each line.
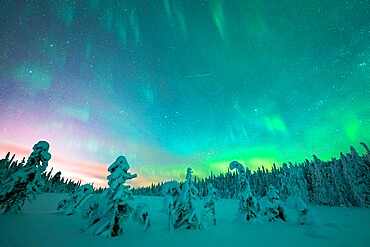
[248, 204]
[271, 206]
[284, 178]
[297, 184]
[359, 178]
[170, 190]
[210, 202]
[74, 200]
[320, 191]
[116, 203]
[341, 185]
[260, 183]
[186, 211]
[26, 181]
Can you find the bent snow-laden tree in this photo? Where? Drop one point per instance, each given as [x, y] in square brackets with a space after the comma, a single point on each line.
[248, 204]
[185, 212]
[116, 203]
[74, 200]
[26, 181]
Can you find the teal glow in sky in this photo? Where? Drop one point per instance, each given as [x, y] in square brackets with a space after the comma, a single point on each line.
[175, 83]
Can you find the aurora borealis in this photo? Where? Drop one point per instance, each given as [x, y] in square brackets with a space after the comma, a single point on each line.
[175, 83]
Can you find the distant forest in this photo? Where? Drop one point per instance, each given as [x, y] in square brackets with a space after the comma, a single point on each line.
[338, 182]
[344, 181]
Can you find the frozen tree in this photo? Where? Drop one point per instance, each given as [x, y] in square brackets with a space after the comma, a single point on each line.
[284, 177]
[89, 208]
[141, 215]
[248, 204]
[297, 183]
[116, 203]
[169, 191]
[358, 177]
[26, 181]
[186, 212]
[71, 203]
[304, 214]
[210, 202]
[271, 206]
[340, 184]
[320, 190]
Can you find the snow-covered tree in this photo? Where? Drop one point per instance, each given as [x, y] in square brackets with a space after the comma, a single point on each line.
[319, 185]
[358, 175]
[186, 211]
[341, 186]
[116, 203]
[141, 215]
[248, 204]
[271, 206]
[74, 200]
[169, 191]
[210, 202]
[89, 208]
[26, 181]
[304, 214]
[297, 184]
[284, 178]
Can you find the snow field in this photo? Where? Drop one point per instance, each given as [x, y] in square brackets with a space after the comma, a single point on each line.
[40, 224]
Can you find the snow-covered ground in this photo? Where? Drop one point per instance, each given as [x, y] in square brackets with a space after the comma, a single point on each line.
[40, 224]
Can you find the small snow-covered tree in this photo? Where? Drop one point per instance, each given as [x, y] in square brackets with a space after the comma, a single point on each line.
[248, 204]
[26, 181]
[141, 215]
[186, 212]
[74, 200]
[271, 206]
[169, 190]
[115, 204]
[210, 202]
[304, 214]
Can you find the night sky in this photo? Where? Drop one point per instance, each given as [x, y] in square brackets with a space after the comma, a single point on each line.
[178, 83]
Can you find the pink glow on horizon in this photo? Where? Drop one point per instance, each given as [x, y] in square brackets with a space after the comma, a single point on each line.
[87, 172]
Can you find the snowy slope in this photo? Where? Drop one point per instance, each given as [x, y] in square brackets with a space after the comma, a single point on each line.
[41, 225]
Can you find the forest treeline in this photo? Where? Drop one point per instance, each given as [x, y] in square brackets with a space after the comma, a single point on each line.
[344, 181]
